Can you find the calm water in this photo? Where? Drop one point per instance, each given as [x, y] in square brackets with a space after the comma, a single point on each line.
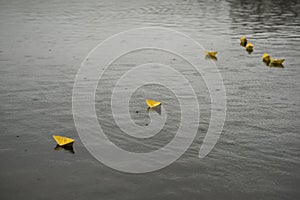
[42, 45]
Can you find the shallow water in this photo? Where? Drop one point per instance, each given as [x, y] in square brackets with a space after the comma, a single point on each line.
[42, 45]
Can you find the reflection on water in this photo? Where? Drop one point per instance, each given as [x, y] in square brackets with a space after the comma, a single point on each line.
[156, 109]
[276, 65]
[68, 147]
[249, 51]
[266, 62]
[243, 44]
[265, 16]
[207, 57]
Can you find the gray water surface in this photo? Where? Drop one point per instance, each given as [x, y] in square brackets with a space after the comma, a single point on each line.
[42, 45]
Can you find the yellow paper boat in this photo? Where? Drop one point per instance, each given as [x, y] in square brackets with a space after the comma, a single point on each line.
[211, 53]
[276, 61]
[266, 58]
[249, 47]
[243, 41]
[152, 103]
[61, 141]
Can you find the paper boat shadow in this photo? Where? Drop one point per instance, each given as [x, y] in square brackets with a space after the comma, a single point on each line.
[243, 44]
[156, 109]
[67, 147]
[266, 62]
[208, 57]
[249, 51]
[276, 65]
